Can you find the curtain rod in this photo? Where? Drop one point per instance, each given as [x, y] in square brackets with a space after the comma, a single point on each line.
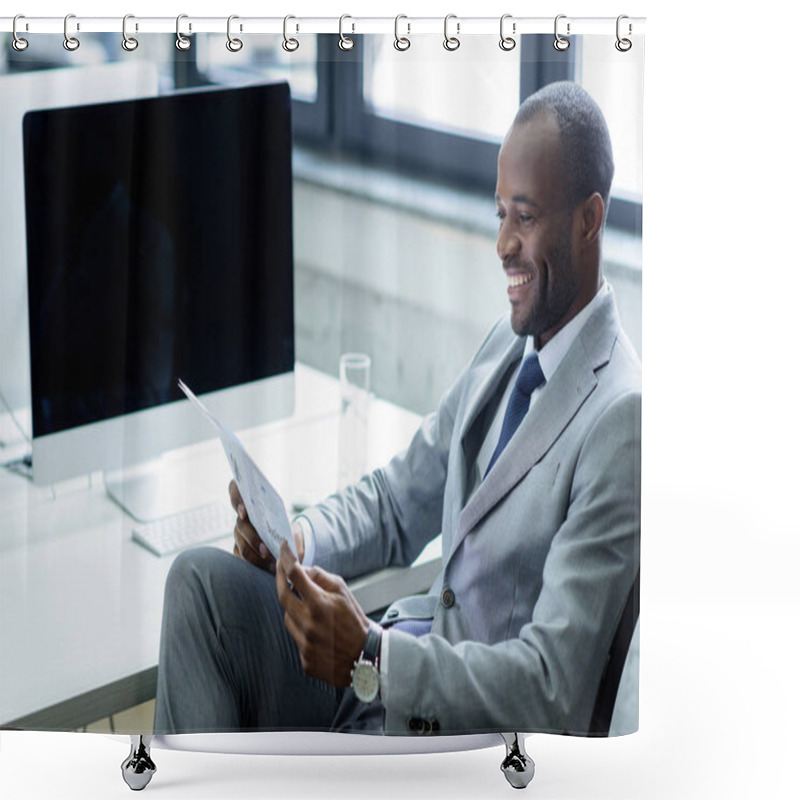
[296, 25]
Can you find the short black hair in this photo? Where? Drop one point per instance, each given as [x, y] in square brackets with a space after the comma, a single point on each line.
[587, 162]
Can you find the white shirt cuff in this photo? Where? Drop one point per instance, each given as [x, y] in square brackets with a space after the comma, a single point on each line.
[383, 665]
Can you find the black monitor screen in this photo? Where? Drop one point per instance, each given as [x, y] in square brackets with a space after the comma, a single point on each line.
[159, 237]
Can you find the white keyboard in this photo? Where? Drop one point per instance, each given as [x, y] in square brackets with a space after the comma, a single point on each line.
[186, 529]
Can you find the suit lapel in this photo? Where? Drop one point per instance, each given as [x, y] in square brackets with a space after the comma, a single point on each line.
[559, 401]
[488, 385]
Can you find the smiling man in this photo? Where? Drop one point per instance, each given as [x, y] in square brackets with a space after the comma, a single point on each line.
[551, 213]
[530, 470]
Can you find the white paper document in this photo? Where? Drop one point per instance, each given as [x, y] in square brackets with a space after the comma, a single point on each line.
[264, 506]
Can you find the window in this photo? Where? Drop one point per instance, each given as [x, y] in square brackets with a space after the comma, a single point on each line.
[262, 59]
[604, 73]
[468, 92]
[434, 113]
[439, 114]
[447, 112]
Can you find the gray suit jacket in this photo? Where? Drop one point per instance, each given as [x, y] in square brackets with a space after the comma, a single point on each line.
[537, 563]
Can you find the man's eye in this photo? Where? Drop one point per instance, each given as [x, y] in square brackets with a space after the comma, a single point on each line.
[525, 218]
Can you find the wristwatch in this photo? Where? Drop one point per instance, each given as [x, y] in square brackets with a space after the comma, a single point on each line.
[366, 676]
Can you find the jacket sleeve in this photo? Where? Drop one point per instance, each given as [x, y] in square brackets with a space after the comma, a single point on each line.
[388, 517]
[547, 678]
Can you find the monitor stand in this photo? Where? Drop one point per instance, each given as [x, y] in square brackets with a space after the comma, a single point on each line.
[165, 486]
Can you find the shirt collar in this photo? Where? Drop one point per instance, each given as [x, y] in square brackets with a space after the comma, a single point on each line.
[552, 354]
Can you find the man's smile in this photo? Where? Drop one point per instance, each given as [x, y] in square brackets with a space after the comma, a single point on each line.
[519, 280]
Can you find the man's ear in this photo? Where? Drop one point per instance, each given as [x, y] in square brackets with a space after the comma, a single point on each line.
[592, 214]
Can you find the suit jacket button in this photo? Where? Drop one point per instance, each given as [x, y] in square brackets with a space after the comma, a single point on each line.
[448, 598]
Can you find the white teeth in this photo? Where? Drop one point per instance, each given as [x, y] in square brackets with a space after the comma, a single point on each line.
[519, 280]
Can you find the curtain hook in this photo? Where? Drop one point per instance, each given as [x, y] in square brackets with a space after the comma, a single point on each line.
[289, 45]
[623, 45]
[451, 43]
[181, 42]
[401, 43]
[70, 42]
[234, 45]
[345, 42]
[128, 42]
[506, 42]
[560, 42]
[18, 43]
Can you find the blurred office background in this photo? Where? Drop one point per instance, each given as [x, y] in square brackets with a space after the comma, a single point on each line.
[394, 217]
[394, 176]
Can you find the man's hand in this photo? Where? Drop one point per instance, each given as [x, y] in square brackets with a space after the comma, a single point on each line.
[323, 618]
[249, 546]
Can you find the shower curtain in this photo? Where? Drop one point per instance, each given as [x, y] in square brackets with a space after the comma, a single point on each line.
[458, 205]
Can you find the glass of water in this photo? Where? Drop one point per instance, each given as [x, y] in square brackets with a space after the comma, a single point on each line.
[354, 378]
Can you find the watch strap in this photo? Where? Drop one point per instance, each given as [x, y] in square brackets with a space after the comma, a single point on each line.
[372, 645]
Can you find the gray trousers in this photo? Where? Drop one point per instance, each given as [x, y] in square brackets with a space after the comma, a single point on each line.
[227, 663]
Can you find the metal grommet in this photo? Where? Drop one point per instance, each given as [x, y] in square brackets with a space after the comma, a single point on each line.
[289, 45]
[181, 42]
[560, 42]
[70, 42]
[623, 45]
[401, 43]
[18, 43]
[506, 42]
[234, 45]
[451, 43]
[128, 42]
[345, 42]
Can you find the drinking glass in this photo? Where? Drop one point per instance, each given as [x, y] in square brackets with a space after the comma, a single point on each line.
[354, 377]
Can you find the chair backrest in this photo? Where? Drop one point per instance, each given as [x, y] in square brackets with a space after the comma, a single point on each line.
[618, 652]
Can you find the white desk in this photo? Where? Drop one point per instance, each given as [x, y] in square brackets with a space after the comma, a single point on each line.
[80, 602]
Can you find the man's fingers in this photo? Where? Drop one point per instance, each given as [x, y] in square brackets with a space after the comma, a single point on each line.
[286, 557]
[233, 493]
[296, 591]
[245, 544]
[294, 572]
[325, 580]
[251, 548]
[285, 596]
[245, 532]
[236, 501]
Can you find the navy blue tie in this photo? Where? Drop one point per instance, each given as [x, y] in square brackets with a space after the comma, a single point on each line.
[530, 376]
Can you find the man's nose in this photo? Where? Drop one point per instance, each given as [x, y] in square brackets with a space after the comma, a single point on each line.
[508, 244]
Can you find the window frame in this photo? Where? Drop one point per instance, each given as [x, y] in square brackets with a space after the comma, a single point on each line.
[310, 120]
[456, 159]
[339, 122]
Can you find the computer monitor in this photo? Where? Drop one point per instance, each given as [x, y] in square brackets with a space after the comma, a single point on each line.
[20, 93]
[159, 247]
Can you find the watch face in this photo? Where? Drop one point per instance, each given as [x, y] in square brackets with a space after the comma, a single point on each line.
[365, 681]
